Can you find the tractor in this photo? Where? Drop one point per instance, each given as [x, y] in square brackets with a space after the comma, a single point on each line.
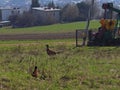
[108, 33]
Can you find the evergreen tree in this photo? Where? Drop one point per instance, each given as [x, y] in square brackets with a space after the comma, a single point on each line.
[35, 3]
[51, 5]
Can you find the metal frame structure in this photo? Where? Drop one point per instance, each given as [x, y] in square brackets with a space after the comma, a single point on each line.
[76, 34]
[87, 26]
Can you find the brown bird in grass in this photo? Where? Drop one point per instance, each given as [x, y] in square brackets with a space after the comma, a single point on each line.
[50, 52]
[35, 72]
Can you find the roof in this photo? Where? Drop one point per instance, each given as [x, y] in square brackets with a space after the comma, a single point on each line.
[3, 22]
[45, 9]
[9, 8]
[5, 8]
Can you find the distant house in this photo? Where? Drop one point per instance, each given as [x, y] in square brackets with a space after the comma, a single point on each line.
[47, 14]
[6, 12]
[4, 23]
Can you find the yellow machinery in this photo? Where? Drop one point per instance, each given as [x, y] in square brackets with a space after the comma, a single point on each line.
[108, 33]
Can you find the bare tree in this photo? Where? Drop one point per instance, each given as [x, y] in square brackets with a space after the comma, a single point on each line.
[23, 20]
[70, 12]
[49, 19]
[95, 12]
[83, 10]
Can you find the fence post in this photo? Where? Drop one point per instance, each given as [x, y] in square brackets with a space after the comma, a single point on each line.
[76, 38]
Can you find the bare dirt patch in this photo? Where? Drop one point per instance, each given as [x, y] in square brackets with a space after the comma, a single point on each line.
[39, 36]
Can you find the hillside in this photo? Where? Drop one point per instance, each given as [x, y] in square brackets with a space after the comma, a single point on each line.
[56, 28]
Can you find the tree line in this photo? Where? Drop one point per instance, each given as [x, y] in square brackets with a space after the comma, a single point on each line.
[69, 13]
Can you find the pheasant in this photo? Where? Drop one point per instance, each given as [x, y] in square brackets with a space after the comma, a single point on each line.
[50, 52]
[35, 72]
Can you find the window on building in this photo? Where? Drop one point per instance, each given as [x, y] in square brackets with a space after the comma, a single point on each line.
[53, 13]
[12, 12]
[18, 12]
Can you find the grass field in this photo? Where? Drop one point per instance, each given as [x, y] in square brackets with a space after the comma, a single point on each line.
[68, 27]
[83, 68]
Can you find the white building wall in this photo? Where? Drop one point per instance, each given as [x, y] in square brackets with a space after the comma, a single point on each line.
[45, 14]
[5, 14]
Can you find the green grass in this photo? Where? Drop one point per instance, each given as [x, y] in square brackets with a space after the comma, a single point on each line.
[83, 68]
[68, 27]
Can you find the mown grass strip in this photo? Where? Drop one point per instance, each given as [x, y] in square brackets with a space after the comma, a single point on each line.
[67, 27]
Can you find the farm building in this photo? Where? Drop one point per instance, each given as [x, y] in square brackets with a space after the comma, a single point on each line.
[4, 23]
[47, 14]
[5, 13]
[8, 11]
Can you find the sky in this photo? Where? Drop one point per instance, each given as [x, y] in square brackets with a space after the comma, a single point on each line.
[28, 2]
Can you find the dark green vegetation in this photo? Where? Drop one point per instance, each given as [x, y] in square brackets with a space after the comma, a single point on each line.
[83, 68]
[68, 27]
